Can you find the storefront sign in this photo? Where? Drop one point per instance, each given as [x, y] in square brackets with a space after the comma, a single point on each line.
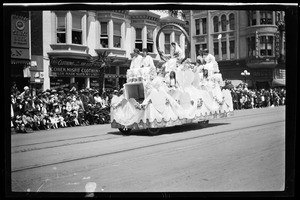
[74, 68]
[262, 73]
[19, 53]
[20, 35]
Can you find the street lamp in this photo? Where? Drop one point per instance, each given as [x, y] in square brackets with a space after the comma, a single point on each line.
[245, 73]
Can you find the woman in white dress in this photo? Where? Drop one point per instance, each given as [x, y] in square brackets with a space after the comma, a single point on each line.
[177, 55]
[146, 64]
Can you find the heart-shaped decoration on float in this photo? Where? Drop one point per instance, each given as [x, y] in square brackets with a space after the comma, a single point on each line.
[185, 100]
[123, 102]
[227, 98]
[196, 81]
[188, 77]
[116, 100]
[158, 100]
[179, 77]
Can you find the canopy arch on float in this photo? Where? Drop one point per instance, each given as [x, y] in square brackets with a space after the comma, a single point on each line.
[185, 34]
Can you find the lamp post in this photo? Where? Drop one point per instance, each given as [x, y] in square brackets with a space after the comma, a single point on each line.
[245, 73]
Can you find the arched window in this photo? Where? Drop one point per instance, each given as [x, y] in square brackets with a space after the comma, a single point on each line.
[216, 24]
[231, 22]
[223, 22]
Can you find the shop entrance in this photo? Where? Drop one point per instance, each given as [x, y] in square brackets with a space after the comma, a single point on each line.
[262, 85]
[80, 82]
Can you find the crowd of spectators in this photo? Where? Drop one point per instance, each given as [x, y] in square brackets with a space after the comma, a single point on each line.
[58, 108]
[244, 98]
[65, 107]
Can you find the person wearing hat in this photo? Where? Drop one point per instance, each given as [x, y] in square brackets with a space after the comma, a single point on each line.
[25, 93]
[98, 99]
[136, 59]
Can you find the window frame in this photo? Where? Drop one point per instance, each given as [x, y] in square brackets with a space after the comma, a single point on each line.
[197, 26]
[223, 22]
[117, 36]
[204, 26]
[168, 45]
[216, 24]
[231, 21]
[64, 15]
[77, 30]
[103, 36]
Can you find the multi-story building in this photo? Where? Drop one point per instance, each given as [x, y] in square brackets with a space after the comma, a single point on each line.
[64, 44]
[242, 40]
[71, 40]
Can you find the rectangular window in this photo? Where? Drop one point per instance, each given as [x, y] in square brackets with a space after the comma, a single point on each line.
[138, 39]
[61, 28]
[76, 29]
[216, 48]
[203, 46]
[103, 35]
[231, 46]
[216, 24]
[266, 45]
[111, 70]
[253, 18]
[167, 44]
[150, 40]
[123, 70]
[204, 24]
[223, 48]
[117, 35]
[197, 24]
[266, 17]
[197, 48]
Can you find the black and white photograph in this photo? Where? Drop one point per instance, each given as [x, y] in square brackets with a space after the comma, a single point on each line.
[183, 99]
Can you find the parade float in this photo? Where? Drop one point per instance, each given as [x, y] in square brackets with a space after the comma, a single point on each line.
[151, 100]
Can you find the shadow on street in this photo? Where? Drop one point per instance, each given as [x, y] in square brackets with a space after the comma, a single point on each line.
[169, 130]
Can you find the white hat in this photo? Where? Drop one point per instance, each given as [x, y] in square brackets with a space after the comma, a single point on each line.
[26, 88]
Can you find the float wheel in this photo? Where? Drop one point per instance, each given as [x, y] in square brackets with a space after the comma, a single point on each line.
[204, 123]
[125, 131]
[153, 131]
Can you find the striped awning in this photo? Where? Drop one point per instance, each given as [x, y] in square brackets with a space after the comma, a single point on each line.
[278, 82]
[20, 61]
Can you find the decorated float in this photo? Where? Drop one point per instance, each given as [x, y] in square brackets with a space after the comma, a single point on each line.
[184, 93]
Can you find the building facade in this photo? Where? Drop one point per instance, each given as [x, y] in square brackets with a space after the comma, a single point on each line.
[62, 44]
[242, 40]
[71, 40]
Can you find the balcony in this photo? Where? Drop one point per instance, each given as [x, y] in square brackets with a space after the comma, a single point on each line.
[261, 62]
[69, 50]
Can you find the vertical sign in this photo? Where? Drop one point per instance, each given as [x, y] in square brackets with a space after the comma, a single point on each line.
[277, 42]
[20, 35]
[256, 44]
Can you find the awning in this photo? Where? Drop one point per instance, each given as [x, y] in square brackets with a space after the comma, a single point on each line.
[278, 82]
[235, 83]
[20, 61]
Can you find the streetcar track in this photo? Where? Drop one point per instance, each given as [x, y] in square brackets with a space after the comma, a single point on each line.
[70, 139]
[141, 147]
[79, 142]
[60, 145]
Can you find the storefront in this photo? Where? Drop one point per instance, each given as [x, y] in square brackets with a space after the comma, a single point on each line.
[20, 49]
[65, 72]
[262, 78]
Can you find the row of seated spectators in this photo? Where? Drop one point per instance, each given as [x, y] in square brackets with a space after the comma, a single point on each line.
[58, 108]
[244, 98]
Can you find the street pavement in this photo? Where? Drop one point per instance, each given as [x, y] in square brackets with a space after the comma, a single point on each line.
[245, 152]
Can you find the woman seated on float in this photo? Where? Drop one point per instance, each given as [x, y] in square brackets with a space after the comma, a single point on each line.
[177, 55]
